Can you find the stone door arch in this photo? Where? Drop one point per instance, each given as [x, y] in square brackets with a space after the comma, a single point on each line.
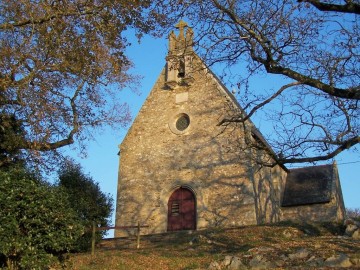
[182, 210]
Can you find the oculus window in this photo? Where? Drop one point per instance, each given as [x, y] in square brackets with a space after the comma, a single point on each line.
[179, 123]
[182, 122]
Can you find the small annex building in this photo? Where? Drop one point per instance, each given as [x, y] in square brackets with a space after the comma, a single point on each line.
[180, 170]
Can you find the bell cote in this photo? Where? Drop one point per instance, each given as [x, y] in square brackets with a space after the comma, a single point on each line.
[180, 56]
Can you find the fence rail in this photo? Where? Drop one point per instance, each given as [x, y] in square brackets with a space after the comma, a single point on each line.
[95, 229]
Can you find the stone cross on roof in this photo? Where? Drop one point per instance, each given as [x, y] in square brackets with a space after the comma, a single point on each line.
[181, 26]
[183, 42]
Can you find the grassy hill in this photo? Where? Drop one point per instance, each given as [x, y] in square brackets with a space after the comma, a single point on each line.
[284, 246]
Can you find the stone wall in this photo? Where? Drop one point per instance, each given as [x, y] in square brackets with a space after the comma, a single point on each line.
[210, 160]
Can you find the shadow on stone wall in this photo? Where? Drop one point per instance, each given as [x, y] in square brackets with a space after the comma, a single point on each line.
[230, 188]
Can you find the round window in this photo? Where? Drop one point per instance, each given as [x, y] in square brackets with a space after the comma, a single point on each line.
[182, 122]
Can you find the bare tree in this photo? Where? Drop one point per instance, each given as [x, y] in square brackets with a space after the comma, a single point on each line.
[311, 46]
[62, 64]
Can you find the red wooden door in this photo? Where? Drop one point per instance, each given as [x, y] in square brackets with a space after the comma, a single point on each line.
[181, 210]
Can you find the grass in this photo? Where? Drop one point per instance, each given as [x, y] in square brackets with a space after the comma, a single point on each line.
[186, 251]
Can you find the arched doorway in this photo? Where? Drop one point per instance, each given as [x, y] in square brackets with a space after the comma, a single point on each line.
[181, 210]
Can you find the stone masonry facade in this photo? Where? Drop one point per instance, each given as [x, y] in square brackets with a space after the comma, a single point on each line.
[212, 161]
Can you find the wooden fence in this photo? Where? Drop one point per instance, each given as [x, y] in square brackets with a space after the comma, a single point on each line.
[95, 229]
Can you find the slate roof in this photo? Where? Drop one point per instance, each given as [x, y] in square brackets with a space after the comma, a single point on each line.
[308, 185]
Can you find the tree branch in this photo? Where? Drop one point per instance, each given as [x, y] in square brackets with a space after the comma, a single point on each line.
[349, 7]
[351, 93]
[42, 20]
[46, 146]
[273, 66]
[344, 146]
[262, 104]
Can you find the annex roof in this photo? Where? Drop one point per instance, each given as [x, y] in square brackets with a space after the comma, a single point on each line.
[308, 185]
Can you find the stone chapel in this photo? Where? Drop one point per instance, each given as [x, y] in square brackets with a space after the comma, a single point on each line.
[180, 170]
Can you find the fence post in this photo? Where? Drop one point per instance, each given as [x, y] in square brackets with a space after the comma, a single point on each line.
[93, 239]
[138, 235]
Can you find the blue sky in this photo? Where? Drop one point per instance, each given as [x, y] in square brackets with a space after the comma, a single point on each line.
[149, 59]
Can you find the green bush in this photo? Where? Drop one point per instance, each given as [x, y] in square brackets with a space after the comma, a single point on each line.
[38, 226]
[87, 200]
